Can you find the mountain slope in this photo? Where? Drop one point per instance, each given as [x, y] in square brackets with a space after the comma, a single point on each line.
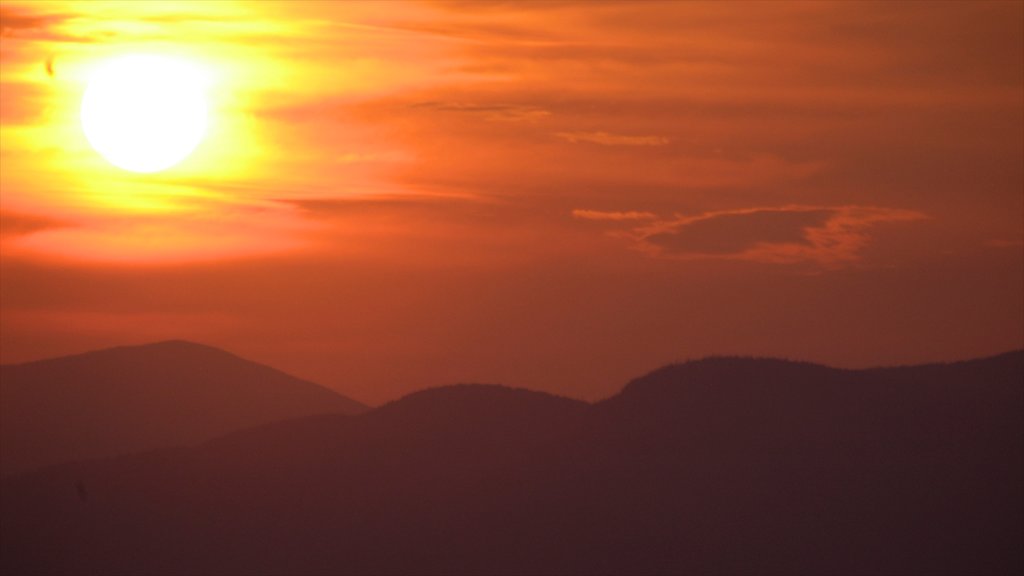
[818, 470]
[133, 398]
[717, 466]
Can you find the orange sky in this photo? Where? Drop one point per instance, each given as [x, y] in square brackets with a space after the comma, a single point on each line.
[555, 195]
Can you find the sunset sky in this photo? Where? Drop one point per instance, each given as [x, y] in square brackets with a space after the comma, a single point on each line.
[553, 195]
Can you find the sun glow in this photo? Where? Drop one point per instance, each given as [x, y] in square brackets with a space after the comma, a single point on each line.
[145, 113]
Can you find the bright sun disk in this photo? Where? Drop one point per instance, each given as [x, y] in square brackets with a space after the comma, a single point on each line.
[145, 113]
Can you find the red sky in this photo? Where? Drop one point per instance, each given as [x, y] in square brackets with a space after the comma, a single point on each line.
[553, 195]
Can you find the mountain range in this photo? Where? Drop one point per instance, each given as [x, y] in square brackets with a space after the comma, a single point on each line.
[716, 466]
[134, 398]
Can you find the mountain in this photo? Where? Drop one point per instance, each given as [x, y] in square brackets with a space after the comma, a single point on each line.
[135, 398]
[794, 468]
[723, 465]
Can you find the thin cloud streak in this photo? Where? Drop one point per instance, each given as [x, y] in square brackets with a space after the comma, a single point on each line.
[606, 139]
[613, 216]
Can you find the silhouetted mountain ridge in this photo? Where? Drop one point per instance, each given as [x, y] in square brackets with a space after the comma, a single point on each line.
[751, 369]
[751, 404]
[479, 402]
[736, 466]
[423, 425]
[134, 398]
[703, 376]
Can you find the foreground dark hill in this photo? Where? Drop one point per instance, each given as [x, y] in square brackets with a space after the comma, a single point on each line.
[721, 466]
[135, 398]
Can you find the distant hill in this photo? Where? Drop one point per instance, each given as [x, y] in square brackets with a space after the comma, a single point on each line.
[718, 466]
[135, 398]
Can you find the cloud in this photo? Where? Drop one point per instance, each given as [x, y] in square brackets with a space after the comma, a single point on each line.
[135, 21]
[469, 31]
[460, 6]
[735, 232]
[613, 216]
[830, 236]
[204, 231]
[363, 205]
[494, 112]
[13, 21]
[607, 139]
[16, 224]
[27, 25]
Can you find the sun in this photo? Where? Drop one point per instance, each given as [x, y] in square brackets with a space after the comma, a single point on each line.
[145, 113]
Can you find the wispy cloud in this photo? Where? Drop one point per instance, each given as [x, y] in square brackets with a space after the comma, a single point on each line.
[506, 112]
[16, 224]
[613, 216]
[18, 21]
[830, 236]
[608, 139]
[207, 230]
[730, 233]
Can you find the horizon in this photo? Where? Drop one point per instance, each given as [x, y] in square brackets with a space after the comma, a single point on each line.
[512, 386]
[385, 197]
[610, 389]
